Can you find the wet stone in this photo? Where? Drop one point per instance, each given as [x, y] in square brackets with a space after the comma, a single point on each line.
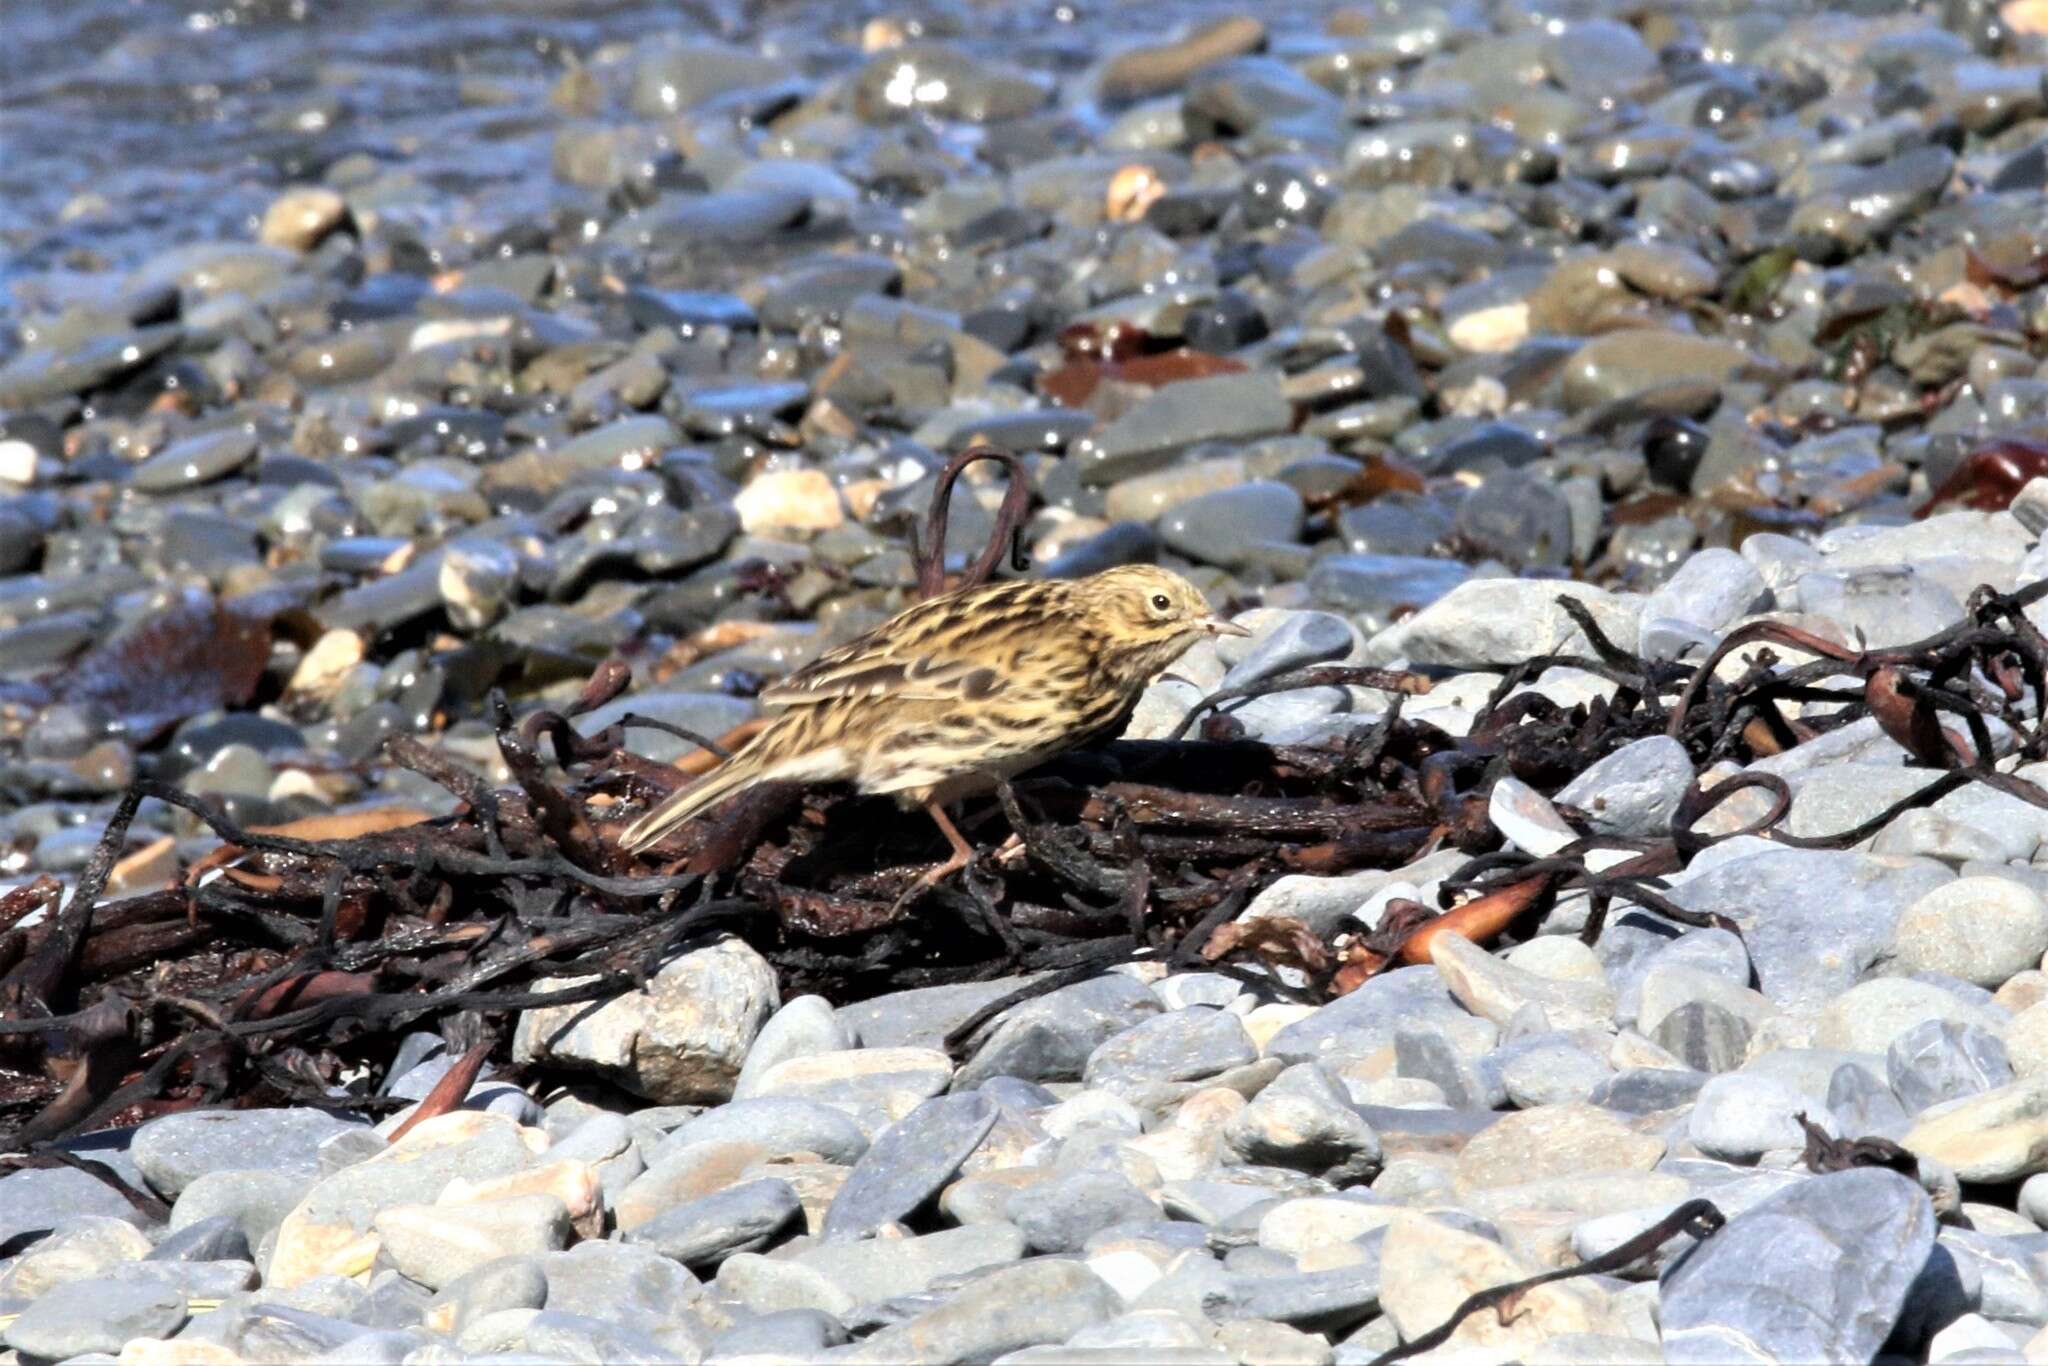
[938, 79]
[1227, 526]
[1225, 408]
[194, 461]
[1517, 518]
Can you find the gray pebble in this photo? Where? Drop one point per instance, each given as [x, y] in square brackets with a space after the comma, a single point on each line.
[83, 1316]
[908, 1164]
[742, 1218]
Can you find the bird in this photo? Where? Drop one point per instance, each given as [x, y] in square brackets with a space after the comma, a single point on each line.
[960, 692]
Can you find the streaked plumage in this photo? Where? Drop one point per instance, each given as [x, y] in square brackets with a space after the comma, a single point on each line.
[942, 699]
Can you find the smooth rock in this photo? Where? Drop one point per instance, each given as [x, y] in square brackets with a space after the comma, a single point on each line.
[1739, 1117]
[1553, 1140]
[1061, 1214]
[1485, 621]
[875, 1270]
[743, 1218]
[1187, 1045]
[1809, 949]
[877, 1082]
[1050, 1038]
[1495, 990]
[81, 1317]
[802, 1028]
[1635, 790]
[1816, 1273]
[681, 1039]
[909, 1163]
[436, 1244]
[176, 1150]
[1041, 1301]
[774, 1124]
[1940, 1060]
[1428, 1268]
[325, 1233]
[1982, 929]
[1868, 1016]
[1999, 1135]
[1354, 1027]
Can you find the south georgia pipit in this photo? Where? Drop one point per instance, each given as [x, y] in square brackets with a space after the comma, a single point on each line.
[959, 692]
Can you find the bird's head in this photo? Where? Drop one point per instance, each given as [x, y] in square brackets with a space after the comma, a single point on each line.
[1147, 617]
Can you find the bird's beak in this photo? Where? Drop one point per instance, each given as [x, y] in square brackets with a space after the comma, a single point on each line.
[1217, 626]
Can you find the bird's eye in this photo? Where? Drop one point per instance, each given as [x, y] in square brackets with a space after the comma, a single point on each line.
[1160, 602]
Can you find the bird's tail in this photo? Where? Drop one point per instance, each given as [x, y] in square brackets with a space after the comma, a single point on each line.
[741, 771]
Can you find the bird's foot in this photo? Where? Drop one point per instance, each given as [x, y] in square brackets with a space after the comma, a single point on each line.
[1010, 853]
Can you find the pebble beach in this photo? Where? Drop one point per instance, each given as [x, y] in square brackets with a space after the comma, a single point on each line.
[357, 361]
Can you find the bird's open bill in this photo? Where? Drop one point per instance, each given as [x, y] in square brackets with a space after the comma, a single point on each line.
[1217, 626]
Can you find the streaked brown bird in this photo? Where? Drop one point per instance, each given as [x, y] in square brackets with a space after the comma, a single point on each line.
[963, 689]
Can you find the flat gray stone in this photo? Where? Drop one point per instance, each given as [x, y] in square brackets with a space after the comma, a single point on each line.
[1635, 790]
[743, 1218]
[618, 1281]
[34, 1200]
[1813, 919]
[1356, 1026]
[1816, 1273]
[1051, 1038]
[1188, 1045]
[176, 1150]
[1060, 1214]
[875, 1270]
[781, 1124]
[1034, 1302]
[908, 1163]
[77, 1317]
[922, 1017]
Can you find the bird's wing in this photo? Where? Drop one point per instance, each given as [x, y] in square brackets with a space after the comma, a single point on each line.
[943, 650]
[871, 674]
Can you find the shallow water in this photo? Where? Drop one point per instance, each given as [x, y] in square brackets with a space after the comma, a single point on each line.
[127, 126]
[132, 125]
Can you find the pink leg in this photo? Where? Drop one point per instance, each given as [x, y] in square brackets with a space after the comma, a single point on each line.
[963, 854]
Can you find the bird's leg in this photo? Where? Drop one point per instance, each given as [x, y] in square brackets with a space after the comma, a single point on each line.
[963, 854]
